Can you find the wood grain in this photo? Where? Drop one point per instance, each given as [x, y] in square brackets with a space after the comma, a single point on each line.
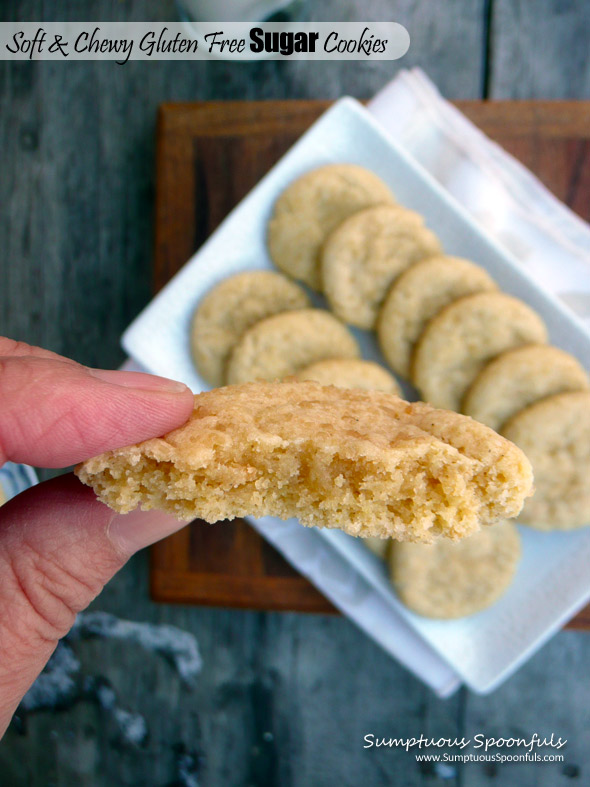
[209, 156]
[539, 50]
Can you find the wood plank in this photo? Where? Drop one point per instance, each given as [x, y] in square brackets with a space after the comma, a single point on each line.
[446, 41]
[539, 50]
[209, 156]
[546, 696]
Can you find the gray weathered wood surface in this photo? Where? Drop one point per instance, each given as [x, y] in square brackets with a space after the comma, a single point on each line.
[282, 699]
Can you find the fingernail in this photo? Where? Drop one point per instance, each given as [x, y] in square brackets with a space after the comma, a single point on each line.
[138, 380]
[131, 532]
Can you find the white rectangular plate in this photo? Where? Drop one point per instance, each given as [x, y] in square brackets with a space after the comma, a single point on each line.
[553, 580]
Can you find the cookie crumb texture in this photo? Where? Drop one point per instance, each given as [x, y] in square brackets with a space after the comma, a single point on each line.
[363, 461]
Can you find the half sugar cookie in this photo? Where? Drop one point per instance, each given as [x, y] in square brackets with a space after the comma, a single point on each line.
[363, 461]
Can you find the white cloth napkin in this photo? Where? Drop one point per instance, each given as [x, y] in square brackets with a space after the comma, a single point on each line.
[502, 196]
[518, 211]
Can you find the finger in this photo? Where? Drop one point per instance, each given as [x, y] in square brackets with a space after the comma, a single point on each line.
[58, 548]
[55, 412]
[11, 347]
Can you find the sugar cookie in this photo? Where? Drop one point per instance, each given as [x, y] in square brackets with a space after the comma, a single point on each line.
[554, 433]
[518, 378]
[450, 579]
[233, 306]
[365, 255]
[463, 337]
[311, 207]
[351, 373]
[362, 461]
[284, 344]
[417, 296]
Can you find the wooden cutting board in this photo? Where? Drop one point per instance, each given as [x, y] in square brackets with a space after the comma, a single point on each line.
[209, 155]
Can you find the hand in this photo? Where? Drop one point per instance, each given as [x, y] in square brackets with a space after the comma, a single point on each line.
[58, 544]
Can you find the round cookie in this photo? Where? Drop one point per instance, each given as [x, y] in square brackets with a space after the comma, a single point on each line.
[285, 343]
[463, 337]
[311, 207]
[520, 377]
[452, 579]
[232, 307]
[351, 373]
[365, 255]
[417, 296]
[555, 436]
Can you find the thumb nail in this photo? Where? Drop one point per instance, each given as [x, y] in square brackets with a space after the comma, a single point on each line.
[131, 532]
[139, 381]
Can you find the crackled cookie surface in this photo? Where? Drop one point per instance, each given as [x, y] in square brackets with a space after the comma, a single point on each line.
[231, 308]
[450, 579]
[311, 207]
[363, 461]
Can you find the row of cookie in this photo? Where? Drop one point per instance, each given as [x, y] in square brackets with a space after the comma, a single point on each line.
[339, 230]
[258, 325]
[442, 323]
[470, 348]
[485, 354]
